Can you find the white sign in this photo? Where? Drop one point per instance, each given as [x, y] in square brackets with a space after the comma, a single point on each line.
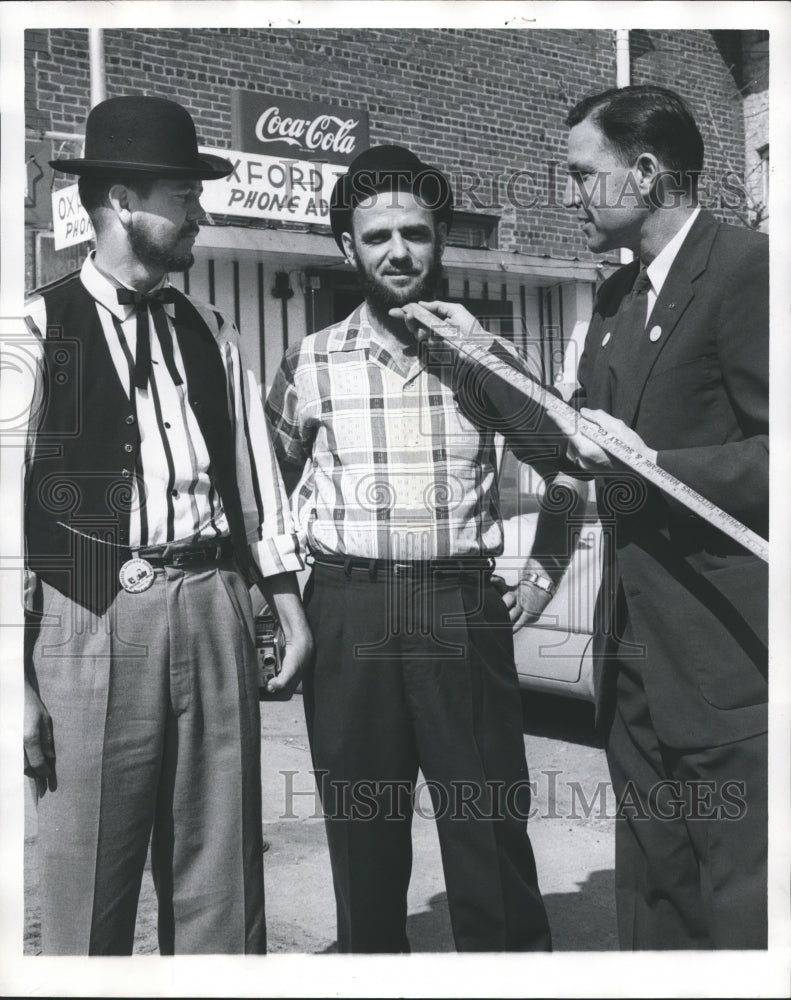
[260, 187]
[70, 221]
[272, 187]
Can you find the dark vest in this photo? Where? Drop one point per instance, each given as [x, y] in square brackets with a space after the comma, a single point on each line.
[78, 484]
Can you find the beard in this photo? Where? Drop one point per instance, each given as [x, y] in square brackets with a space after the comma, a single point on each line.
[381, 298]
[158, 255]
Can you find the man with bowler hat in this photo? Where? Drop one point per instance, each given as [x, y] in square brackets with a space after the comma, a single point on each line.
[153, 500]
[390, 454]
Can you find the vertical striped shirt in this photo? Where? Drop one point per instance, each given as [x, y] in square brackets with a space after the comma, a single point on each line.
[182, 503]
[392, 467]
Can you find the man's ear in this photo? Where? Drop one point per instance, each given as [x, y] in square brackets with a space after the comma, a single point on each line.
[348, 248]
[647, 170]
[118, 196]
[660, 187]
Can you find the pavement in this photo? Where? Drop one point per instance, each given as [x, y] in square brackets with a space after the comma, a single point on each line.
[571, 832]
[572, 839]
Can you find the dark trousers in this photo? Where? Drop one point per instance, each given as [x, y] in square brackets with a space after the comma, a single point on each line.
[691, 836]
[419, 673]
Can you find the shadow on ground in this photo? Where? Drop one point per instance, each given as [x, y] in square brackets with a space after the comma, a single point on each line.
[580, 921]
[584, 920]
[567, 719]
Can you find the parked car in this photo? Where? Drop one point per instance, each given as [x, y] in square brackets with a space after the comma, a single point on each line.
[554, 654]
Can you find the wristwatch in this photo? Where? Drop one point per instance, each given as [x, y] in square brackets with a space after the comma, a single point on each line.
[539, 580]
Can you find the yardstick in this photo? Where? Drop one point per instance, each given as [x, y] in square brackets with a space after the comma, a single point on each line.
[611, 443]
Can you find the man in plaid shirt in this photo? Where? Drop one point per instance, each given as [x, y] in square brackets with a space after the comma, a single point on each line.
[389, 452]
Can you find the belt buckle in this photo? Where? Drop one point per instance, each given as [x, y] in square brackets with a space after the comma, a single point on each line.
[136, 575]
[401, 569]
[193, 558]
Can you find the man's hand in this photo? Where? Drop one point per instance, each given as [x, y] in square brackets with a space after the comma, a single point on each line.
[297, 653]
[525, 602]
[281, 593]
[587, 453]
[38, 742]
[456, 322]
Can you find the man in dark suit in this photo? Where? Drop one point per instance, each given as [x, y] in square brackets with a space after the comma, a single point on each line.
[676, 363]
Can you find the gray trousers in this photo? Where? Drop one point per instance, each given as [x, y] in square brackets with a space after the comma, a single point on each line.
[157, 735]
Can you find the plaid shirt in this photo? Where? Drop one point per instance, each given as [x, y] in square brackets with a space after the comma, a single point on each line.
[391, 467]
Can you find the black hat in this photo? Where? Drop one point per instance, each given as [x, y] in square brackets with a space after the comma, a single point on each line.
[146, 135]
[385, 167]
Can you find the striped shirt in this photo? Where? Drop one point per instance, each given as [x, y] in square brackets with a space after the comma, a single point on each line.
[181, 498]
[392, 468]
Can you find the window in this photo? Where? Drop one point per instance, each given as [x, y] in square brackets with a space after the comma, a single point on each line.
[473, 231]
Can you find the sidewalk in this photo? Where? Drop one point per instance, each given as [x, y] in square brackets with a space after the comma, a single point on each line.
[573, 843]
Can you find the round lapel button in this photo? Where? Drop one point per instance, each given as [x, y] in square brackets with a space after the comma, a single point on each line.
[655, 334]
[606, 339]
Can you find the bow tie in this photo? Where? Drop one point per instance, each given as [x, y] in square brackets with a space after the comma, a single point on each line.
[129, 297]
[142, 302]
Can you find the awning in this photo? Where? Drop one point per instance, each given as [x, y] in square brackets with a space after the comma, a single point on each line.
[320, 251]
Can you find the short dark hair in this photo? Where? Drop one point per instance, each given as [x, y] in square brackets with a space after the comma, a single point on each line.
[645, 118]
[94, 189]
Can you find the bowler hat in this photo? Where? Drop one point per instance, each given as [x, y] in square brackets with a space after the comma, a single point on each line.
[147, 135]
[384, 168]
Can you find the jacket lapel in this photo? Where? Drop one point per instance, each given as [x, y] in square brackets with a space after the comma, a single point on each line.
[601, 342]
[633, 367]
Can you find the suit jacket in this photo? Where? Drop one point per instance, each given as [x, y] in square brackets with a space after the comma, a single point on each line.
[694, 602]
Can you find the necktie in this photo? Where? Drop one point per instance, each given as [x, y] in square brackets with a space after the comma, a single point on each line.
[154, 301]
[625, 354]
[633, 316]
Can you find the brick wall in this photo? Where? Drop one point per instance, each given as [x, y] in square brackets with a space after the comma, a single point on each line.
[691, 63]
[480, 103]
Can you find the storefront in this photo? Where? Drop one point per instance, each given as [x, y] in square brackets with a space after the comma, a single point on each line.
[280, 285]
[266, 256]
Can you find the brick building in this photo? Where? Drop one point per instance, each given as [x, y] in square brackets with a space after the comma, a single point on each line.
[488, 106]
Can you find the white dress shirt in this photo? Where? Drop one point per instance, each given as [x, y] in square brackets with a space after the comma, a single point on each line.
[659, 268]
[182, 502]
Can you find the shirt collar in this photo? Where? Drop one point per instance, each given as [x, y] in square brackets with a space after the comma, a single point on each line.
[104, 289]
[360, 334]
[353, 334]
[659, 268]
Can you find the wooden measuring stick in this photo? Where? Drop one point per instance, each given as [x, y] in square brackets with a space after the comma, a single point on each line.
[611, 443]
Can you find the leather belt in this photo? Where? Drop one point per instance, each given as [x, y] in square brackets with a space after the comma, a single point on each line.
[180, 555]
[417, 568]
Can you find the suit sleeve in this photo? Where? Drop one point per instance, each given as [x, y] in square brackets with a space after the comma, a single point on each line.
[734, 474]
[492, 401]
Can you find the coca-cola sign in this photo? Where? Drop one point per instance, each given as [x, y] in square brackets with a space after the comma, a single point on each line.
[295, 129]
